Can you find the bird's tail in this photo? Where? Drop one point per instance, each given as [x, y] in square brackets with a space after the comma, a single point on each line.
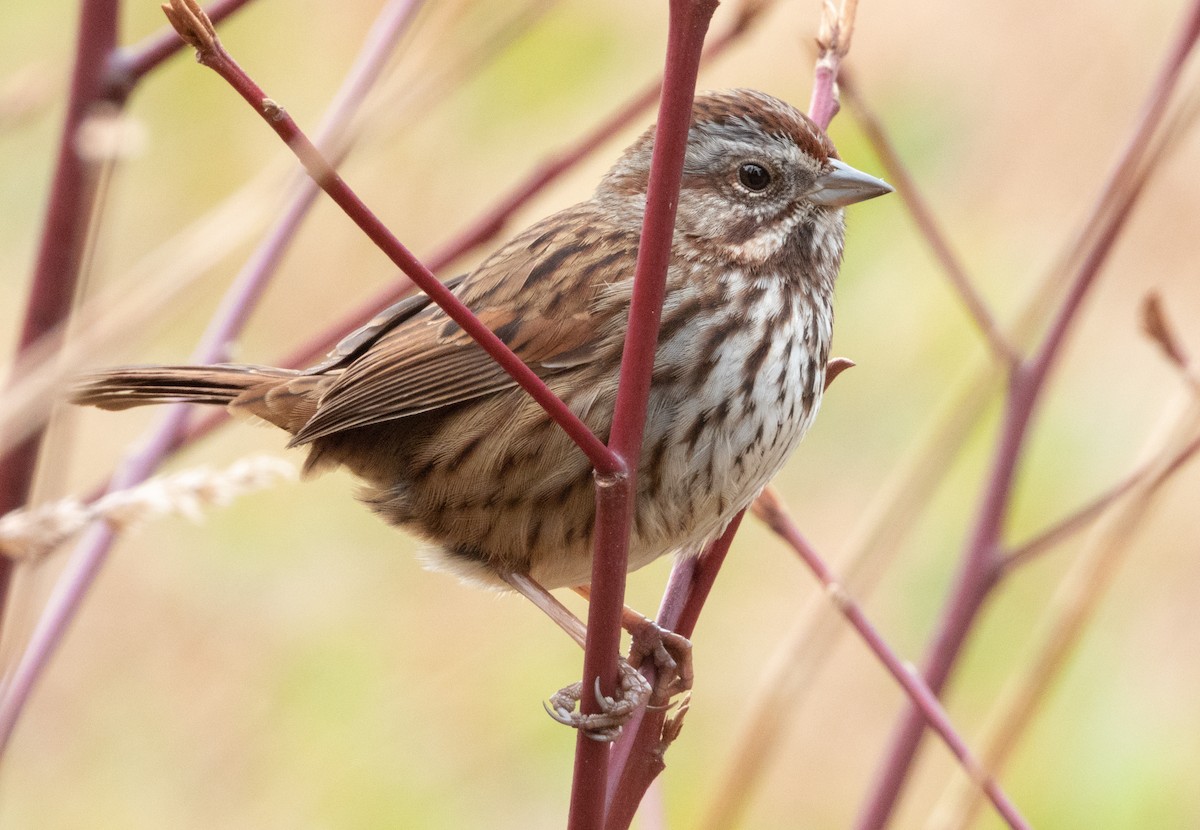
[130, 386]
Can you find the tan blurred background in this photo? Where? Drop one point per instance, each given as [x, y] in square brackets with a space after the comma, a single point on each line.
[289, 664]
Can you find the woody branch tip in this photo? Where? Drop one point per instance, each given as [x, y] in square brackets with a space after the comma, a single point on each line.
[193, 26]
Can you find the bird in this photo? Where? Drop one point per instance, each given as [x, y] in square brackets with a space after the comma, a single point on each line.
[451, 449]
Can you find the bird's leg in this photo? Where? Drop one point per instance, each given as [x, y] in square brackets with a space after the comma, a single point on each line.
[533, 591]
[632, 688]
[671, 653]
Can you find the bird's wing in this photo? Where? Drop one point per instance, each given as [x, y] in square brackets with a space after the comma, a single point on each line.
[354, 344]
[539, 294]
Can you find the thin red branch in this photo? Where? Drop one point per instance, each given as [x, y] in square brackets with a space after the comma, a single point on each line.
[688, 24]
[188, 19]
[772, 512]
[638, 754]
[389, 28]
[63, 232]
[700, 585]
[982, 562]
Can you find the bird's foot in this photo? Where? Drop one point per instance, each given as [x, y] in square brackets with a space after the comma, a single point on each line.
[670, 653]
[632, 692]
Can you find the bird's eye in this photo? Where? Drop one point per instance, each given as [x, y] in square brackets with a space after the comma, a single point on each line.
[754, 176]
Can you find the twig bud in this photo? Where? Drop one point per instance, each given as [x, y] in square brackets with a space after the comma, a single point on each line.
[193, 25]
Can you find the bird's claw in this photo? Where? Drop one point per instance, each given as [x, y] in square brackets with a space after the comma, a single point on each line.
[632, 692]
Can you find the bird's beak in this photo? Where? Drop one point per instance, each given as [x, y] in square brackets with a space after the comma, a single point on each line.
[843, 185]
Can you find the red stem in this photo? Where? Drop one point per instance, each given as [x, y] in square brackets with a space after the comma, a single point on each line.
[683, 621]
[688, 25]
[919, 693]
[217, 59]
[638, 754]
[824, 104]
[63, 233]
[983, 564]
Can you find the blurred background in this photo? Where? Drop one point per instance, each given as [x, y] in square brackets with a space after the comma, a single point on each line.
[288, 663]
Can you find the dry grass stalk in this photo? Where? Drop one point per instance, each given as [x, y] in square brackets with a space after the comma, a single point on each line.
[30, 533]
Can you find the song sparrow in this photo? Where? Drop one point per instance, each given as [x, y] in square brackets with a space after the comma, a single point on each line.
[454, 451]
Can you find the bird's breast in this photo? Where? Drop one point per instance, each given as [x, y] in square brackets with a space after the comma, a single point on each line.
[734, 394]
